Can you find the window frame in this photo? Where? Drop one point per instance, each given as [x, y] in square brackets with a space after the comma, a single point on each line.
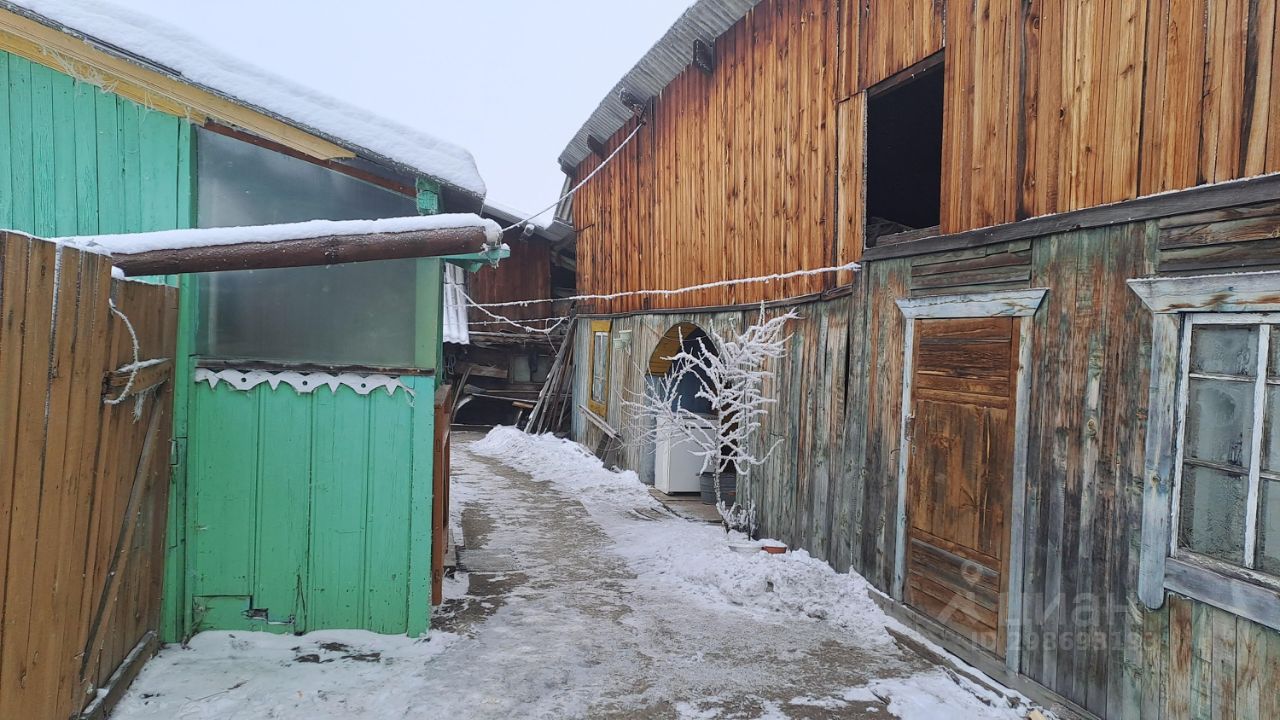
[1253, 470]
[597, 327]
[1172, 301]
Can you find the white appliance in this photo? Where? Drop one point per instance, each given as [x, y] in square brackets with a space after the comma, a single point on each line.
[677, 462]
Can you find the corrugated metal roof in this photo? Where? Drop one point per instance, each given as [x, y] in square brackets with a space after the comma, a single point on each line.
[455, 306]
[705, 20]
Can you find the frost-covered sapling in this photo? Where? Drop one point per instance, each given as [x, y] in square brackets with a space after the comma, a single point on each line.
[730, 373]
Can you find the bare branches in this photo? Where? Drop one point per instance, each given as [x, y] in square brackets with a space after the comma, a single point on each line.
[728, 372]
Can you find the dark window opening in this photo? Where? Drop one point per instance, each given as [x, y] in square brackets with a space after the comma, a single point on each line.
[904, 151]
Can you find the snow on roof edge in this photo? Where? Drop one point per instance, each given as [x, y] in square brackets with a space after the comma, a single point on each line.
[143, 40]
[706, 20]
[130, 243]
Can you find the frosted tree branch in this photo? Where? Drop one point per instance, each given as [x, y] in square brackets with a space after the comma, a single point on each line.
[730, 372]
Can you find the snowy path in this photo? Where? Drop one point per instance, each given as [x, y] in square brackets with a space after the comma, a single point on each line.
[582, 599]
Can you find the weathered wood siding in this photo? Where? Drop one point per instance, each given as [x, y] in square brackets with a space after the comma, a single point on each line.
[83, 485]
[75, 160]
[831, 485]
[1050, 106]
[526, 275]
[732, 176]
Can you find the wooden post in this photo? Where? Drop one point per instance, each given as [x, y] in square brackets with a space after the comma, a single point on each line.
[329, 250]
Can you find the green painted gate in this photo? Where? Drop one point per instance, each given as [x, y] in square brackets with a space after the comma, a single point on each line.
[310, 510]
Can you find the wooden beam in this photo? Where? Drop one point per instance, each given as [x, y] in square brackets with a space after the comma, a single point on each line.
[1206, 197]
[400, 188]
[330, 250]
[146, 378]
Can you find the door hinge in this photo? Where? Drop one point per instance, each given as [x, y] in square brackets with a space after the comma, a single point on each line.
[911, 427]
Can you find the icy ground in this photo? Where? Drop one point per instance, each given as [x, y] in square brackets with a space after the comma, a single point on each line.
[581, 597]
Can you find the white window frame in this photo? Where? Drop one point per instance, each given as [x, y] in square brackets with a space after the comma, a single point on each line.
[1253, 469]
[1176, 303]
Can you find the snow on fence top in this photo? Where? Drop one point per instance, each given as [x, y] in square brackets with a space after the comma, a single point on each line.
[129, 244]
[187, 58]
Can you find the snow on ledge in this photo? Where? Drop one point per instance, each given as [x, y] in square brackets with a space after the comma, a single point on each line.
[187, 57]
[128, 244]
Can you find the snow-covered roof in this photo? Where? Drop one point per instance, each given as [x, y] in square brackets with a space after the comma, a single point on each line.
[143, 40]
[706, 20]
[131, 243]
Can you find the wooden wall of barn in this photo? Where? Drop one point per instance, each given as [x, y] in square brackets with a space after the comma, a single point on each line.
[831, 485]
[732, 176]
[526, 275]
[1050, 106]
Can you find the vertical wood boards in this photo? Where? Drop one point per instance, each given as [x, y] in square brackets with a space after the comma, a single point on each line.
[526, 275]
[897, 34]
[83, 485]
[731, 177]
[960, 474]
[321, 531]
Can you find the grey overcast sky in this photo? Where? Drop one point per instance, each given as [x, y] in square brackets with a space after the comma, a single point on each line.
[510, 80]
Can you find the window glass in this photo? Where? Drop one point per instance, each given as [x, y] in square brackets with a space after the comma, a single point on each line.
[1219, 421]
[1271, 432]
[1225, 350]
[599, 366]
[1273, 364]
[1212, 513]
[355, 314]
[1269, 527]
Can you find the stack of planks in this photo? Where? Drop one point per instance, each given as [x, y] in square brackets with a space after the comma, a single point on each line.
[552, 408]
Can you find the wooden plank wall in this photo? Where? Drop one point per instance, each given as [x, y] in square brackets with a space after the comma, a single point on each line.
[526, 275]
[731, 177]
[83, 485]
[325, 530]
[75, 160]
[1050, 106]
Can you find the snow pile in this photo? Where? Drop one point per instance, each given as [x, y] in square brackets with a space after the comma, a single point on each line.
[330, 674]
[126, 244]
[924, 696]
[696, 559]
[199, 64]
[565, 464]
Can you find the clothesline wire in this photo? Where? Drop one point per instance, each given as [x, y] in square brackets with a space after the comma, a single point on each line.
[577, 187]
[561, 319]
[851, 266]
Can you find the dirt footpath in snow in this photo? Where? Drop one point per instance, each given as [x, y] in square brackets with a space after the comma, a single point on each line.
[582, 598]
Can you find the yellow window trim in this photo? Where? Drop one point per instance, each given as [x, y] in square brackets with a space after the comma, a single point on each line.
[599, 408]
[72, 56]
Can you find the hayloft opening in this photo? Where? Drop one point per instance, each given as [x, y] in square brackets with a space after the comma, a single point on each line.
[904, 151]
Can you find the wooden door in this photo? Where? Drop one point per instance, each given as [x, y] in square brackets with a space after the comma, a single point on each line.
[960, 474]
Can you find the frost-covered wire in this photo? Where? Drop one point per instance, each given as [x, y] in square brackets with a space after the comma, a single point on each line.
[578, 187]
[679, 291]
[544, 331]
[137, 351]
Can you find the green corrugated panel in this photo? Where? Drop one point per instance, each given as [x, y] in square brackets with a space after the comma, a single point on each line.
[223, 490]
[131, 164]
[6, 164]
[64, 156]
[424, 424]
[85, 112]
[339, 476]
[43, 167]
[110, 169]
[387, 541]
[283, 505]
[22, 214]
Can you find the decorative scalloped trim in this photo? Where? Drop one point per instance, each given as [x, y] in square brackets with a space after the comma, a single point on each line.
[302, 383]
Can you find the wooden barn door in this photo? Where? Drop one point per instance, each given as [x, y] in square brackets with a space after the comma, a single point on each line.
[961, 427]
